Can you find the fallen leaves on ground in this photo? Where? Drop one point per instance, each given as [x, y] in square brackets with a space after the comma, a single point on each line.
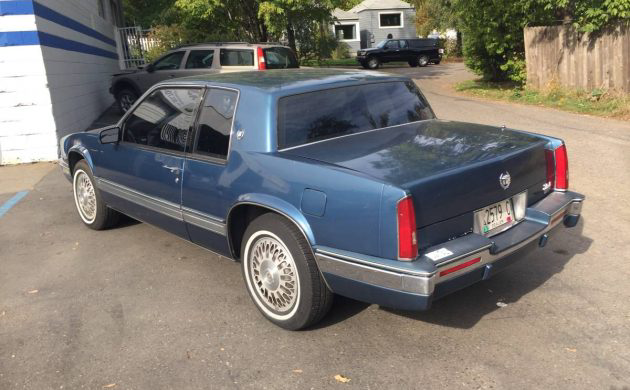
[342, 379]
[109, 386]
[298, 371]
[33, 291]
[571, 349]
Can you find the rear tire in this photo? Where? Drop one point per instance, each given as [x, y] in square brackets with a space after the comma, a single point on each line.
[87, 198]
[125, 98]
[281, 275]
[422, 60]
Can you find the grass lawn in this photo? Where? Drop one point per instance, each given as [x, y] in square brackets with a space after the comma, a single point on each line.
[331, 62]
[596, 102]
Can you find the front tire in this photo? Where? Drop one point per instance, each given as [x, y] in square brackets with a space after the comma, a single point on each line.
[413, 64]
[93, 211]
[125, 98]
[373, 63]
[281, 274]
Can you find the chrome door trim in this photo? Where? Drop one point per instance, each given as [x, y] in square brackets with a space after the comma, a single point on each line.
[164, 207]
[204, 221]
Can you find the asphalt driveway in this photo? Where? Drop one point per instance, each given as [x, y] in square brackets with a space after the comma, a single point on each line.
[137, 308]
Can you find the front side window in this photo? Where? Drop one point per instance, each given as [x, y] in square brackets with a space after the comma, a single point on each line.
[280, 58]
[215, 123]
[237, 57]
[200, 59]
[163, 119]
[170, 62]
[392, 45]
[390, 19]
[331, 113]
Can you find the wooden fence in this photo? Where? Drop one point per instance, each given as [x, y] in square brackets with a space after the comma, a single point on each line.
[559, 54]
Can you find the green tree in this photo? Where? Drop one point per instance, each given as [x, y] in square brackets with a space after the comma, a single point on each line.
[493, 29]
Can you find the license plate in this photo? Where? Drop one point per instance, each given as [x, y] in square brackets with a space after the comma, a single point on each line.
[494, 218]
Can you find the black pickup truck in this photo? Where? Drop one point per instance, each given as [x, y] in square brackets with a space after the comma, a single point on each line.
[417, 52]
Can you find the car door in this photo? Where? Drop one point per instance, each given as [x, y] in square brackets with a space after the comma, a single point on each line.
[404, 53]
[142, 174]
[391, 51]
[165, 68]
[207, 193]
[198, 62]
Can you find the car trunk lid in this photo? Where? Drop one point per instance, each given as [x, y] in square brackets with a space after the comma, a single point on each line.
[450, 168]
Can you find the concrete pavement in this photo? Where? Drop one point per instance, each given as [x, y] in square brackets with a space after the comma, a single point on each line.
[137, 308]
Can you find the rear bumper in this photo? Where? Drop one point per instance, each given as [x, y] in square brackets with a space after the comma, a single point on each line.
[414, 285]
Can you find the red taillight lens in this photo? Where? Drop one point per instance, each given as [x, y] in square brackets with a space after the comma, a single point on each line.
[551, 167]
[562, 168]
[261, 59]
[407, 242]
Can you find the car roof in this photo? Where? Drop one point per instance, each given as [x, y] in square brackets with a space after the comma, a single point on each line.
[229, 44]
[289, 81]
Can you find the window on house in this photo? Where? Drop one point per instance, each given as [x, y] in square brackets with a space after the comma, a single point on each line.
[390, 19]
[345, 31]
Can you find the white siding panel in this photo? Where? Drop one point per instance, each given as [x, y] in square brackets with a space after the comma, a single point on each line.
[27, 126]
[17, 23]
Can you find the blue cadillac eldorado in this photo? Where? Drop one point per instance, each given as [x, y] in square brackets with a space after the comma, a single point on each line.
[325, 182]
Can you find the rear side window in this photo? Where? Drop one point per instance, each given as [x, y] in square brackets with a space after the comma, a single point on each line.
[280, 58]
[423, 42]
[162, 119]
[200, 59]
[237, 57]
[331, 113]
[215, 123]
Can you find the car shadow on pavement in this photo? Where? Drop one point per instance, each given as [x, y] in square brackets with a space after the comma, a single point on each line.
[464, 308]
[342, 309]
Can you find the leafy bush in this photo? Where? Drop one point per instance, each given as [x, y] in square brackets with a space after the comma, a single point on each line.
[341, 51]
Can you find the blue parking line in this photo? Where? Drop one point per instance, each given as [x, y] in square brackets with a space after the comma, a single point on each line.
[12, 202]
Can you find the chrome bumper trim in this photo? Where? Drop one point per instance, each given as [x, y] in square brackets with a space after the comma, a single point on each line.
[372, 270]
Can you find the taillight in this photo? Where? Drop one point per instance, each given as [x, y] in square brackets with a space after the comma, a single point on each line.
[562, 168]
[407, 242]
[551, 167]
[261, 59]
[557, 167]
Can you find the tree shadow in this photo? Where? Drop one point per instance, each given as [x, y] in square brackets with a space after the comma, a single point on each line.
[464, 308]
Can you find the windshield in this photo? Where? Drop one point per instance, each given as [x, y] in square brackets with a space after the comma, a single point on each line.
[381, 44]
[330, 113]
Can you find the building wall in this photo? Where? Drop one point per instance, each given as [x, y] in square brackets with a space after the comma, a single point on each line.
[369, 22]
[57, 59]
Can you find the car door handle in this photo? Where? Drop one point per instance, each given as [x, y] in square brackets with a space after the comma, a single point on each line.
[172, 169]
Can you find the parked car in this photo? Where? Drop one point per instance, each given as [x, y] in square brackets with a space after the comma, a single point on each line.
[196, 60]
[416, 52]
[325, 182]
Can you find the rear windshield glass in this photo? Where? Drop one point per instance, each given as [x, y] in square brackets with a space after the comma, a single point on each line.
[280, 58]
[237, 57]
[331, 113]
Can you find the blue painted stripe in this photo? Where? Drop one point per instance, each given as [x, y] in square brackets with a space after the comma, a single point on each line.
[67, 44]
[12, 202]
[62, 20]
[16, 7]
[18, 38]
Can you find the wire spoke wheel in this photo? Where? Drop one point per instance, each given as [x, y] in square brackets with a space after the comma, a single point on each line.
[273, 274]
[84, 196]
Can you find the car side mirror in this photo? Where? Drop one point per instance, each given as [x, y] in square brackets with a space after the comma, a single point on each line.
[149, 68]
[109, 136]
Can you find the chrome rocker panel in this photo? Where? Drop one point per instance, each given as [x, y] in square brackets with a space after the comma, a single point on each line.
[414, 285]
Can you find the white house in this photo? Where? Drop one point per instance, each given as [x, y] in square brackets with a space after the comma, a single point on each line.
[372, 21]
[56, 62]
